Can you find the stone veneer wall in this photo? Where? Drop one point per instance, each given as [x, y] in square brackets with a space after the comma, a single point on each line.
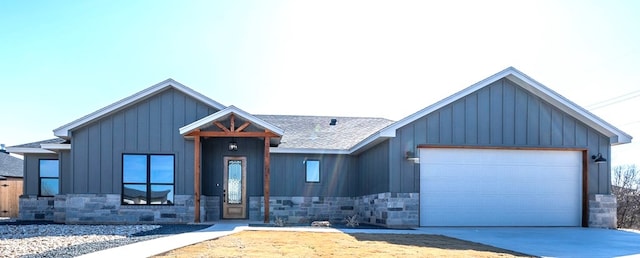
[394, 210]
[397, 210]
[107, 208]
[211, 207]
[36, 208]
[603, 211]
[298, 209]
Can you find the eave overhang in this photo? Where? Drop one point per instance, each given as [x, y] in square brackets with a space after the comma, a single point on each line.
[308, 151]
[45, 148]
[25, 150]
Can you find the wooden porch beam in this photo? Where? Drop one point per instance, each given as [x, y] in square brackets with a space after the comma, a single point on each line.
[243, 126]
[221, 126]
[233, 123]
[267, 177]
[196, 177]
[232, 134]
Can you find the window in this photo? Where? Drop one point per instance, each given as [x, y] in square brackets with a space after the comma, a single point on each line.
[147, 179]
[312, 171]
[49, 177]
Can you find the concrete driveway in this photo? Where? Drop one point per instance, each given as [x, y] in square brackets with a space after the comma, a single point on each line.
[551, 242]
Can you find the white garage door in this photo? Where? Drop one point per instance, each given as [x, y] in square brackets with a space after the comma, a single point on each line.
[488, 187]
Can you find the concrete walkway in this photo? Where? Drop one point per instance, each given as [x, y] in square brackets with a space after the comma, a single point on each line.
[165, 244]
[544, 242]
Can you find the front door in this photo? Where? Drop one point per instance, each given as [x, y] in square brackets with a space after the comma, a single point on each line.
[234, 196]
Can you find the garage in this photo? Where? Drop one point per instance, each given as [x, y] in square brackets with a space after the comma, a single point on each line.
[500, 187]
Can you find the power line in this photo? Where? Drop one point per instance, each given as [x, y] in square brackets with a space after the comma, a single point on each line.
[618, 99]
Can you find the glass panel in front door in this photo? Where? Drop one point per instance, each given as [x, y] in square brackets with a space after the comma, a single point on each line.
[234, 182]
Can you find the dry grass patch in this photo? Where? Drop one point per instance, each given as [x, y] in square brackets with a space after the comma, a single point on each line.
[314, 244]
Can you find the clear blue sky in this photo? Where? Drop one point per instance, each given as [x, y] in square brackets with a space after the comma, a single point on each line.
[60, 60]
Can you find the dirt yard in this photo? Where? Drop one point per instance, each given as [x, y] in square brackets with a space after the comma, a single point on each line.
[313, 244]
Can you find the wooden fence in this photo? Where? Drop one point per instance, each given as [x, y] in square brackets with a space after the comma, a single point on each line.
[10, 191]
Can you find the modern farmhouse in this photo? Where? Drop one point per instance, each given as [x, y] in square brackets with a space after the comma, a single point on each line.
[506, 151]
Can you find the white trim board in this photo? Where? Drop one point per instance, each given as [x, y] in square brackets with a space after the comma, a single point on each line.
[56, 146]
[23, 150]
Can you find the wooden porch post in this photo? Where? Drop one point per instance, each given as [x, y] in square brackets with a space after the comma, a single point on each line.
[196, 176]
[267, 176]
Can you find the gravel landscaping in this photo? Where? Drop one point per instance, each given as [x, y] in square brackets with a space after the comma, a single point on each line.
[56, 240]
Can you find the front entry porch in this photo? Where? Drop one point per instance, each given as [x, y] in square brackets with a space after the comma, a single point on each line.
[216, 137]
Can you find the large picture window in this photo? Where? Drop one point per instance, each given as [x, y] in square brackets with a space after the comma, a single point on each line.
[312, 171]
[147, 179]
[49, 177]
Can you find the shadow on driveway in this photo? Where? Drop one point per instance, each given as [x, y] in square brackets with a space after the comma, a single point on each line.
[434, 241]
[550, 242]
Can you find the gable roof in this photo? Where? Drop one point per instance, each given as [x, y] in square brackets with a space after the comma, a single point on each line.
[224, 114]
[63, 131]
[616, 135]
[10, 166]
[315, 134]
[46, 146]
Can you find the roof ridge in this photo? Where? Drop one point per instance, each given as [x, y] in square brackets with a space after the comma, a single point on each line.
[29, 144]
[328, 116]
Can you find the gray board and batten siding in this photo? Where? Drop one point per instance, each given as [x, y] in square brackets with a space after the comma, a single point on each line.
[338, 177]
[32, 167]
[373, 170]
[65, 171]
[149, 126]
[337, 171]
[501, 114]
[213, 152]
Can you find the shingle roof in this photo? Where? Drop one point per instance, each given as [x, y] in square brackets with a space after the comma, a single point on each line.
[10, 166]
[37, 144]
[305, 132]
[314, 132]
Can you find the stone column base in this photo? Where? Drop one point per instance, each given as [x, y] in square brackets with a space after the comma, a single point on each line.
[603, 211]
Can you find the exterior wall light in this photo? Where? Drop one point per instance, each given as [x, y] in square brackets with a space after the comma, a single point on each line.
[233, 146]
[598, 159]
[411, 156]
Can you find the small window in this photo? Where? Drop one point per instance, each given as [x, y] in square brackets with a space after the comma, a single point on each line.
[49, 177]
[147, 179]
[312, 171]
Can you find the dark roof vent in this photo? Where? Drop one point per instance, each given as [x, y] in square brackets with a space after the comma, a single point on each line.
[333, 121]
[2, 149]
